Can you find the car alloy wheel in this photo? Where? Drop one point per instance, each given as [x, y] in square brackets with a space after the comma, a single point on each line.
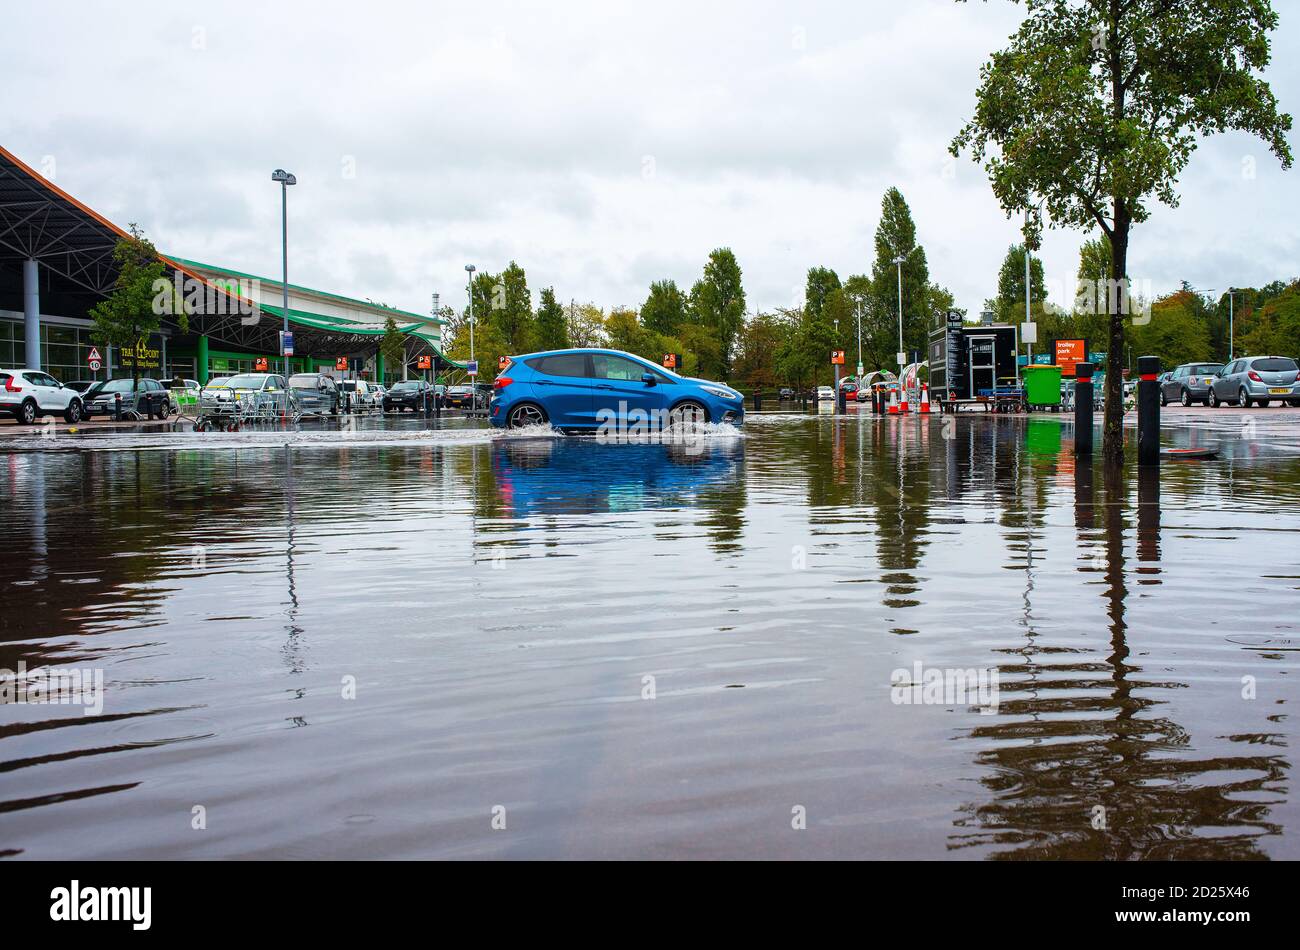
[1243, 398]
[27, 414]
[1186, 398]
[688, 413]
[526, 415]
[1213, 399]
[73, 413]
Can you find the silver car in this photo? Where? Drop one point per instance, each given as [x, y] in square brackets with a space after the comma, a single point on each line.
[1188, 383]
[317, 393]
[1257, 379]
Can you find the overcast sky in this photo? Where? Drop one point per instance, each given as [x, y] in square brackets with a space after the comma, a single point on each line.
[601, 145]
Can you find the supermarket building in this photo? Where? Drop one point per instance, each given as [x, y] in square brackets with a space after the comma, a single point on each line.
[56, 263]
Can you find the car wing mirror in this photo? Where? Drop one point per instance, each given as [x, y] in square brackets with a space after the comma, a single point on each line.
[648, 379]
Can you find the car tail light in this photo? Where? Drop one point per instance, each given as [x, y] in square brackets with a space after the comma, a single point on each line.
[1255, 376]
[9, 385]
[501, 382]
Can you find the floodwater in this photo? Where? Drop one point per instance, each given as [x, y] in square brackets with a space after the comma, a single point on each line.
[392, 643]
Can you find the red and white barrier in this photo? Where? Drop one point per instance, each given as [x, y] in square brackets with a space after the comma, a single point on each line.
[902, 406]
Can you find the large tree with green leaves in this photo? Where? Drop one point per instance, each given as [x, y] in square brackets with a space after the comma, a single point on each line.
[552, 328]
[664, 310]
[140, 296]
[392, 345]
[718, 306]
[1095, 109]
[821, 283]
[895, 238]
[1011, 285]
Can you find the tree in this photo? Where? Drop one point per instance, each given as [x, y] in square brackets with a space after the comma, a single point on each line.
[140, 295]
[552, 330]
[664, 311]
[822, 282]
[392, 344]
[718, 306]
[1010, 306]
[1177, 332]
[896, 237]
[1095, 108]
[512, 310]
[757, 346]
[586, 325]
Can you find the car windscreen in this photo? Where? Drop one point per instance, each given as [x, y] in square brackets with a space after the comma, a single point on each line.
[460, 390]
[404, 386]
[112, 386]
[1202, 369]
[1274, 364]
[246, 381]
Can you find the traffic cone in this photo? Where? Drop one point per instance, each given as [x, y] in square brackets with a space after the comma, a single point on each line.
[893, 402]
[902, 405]
[925, 399]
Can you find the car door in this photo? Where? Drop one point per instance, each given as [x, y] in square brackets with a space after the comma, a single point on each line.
[1222, 384]
[617, 387]
[44, 390]
[563, 387]
[1170, 388]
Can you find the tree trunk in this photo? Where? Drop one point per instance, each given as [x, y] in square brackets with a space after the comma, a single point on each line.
[1112, 442]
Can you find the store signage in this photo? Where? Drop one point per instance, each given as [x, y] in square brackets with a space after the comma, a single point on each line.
[142, 355]
[424, 362]
[261, 364]
[837, 357]
[341, 364]
[1068, 353]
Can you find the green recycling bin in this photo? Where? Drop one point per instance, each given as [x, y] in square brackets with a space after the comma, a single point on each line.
[1042, 385]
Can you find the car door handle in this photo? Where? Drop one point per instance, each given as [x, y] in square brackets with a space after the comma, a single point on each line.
[604, 386]
[541, 382]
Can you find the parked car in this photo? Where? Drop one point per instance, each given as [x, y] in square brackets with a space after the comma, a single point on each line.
[27, 394]
[459, 397]
[1188, 383]
[225, 389]
[377, 394]
[317, 393]
[825, 392]
[850, 388]
[585, 388]
[413, 394]
[357, 395]
[786, 393]
[1257, 379]
[80, 385]
[146, 397]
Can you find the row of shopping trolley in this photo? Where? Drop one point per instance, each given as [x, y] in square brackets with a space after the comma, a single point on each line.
[228, 410]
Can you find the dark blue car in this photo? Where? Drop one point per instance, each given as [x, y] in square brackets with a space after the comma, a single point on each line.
[592, 389]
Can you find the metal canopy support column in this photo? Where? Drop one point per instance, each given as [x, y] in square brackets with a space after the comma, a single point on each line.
[32, 313]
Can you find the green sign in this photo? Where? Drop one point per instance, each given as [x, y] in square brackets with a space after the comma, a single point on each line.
[1095, 358]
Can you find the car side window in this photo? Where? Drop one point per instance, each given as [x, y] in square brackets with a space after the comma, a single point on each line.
[565, 364]
[607, 366]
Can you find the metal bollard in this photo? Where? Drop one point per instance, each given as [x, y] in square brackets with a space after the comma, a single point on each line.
[117, 407]
[1148, 399]
[1083, 409]
[841, 400]
[758, 400]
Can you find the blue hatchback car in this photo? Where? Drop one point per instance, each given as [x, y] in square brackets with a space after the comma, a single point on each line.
[592, 388]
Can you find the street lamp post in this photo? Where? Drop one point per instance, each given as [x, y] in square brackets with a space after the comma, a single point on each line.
[469, 289]
[900, 260]
[285, 179]
[1231, 291]
[859, 342]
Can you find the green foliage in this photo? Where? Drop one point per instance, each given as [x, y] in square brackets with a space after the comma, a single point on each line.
[717, 305]
[757, 346]
[895, 237]
[129, 312]
[552, 331]
[392, 345]
[1273, 327]
[1177, 332]
[822, 282]
[664, 311]
[1096, 106]
[1010, 303]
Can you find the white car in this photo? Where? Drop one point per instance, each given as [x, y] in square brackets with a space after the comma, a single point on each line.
[362, 394]
[825, 393]
[29, 393]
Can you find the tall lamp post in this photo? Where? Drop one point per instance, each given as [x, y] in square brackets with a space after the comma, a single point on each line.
[285, 179]
[469, 289]
[902, 355]
[859, 342]
[1231, 291]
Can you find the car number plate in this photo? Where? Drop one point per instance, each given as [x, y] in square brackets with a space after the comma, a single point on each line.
[1279, 392]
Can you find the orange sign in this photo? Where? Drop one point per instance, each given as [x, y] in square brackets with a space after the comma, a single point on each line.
[341, 364]
[670, 361]
[837, 357]
[1066, 353]
[260, 365]
[503, 362]
[424, 362]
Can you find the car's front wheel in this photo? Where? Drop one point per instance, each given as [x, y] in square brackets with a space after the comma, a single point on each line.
[1213, 399]
[526, 414]
[688, 413]
[72, 415]
[1243, 398]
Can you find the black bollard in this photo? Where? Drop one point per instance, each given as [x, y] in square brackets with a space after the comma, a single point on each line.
[1148, 398]
[117, 407]
[758, 400]
[841, 400]
[1083, 409]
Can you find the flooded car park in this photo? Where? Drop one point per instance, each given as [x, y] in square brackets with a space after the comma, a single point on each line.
[377, 641]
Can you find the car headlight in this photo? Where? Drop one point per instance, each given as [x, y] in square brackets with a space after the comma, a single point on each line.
[721, 393]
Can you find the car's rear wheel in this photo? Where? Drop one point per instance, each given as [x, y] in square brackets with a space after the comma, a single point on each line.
[1212, 399]
[526, 414]
[1243, 398]
[688, 413]
[27, 413]
[72, 415]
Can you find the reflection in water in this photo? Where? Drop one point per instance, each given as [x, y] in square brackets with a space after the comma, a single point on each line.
[500, 602]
